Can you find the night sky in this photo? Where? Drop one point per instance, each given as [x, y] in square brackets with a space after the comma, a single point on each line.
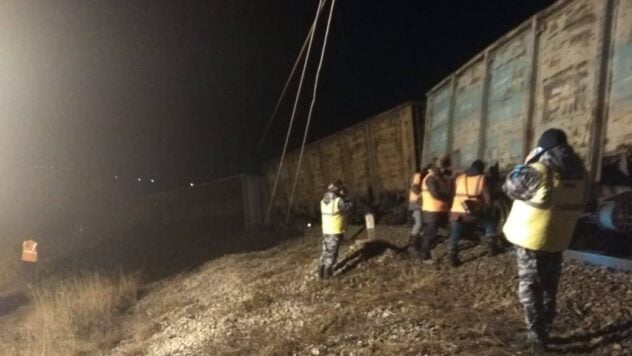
[181, 90]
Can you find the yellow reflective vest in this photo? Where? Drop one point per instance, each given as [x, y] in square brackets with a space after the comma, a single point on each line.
[332, 217]
[547, 221]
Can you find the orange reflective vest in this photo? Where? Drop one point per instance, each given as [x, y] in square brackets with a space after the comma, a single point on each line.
[467, 188]
[29, 251]
[429, 203]
[412, 196]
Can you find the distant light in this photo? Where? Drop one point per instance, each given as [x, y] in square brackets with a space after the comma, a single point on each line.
[138, 179]
[52, 167]
[152, 180]
[115, 177]
[191, 184]
[309, 224]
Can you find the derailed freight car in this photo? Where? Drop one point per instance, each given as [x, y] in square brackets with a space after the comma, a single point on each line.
[374, 159]
[569, 67]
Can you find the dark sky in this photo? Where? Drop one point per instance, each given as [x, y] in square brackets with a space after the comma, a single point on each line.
[181, 90]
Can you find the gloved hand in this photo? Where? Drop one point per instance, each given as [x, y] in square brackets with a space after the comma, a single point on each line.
[536, 151]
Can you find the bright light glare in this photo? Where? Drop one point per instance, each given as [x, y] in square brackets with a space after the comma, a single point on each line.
[152, 180]
[140, 180]
[191, 184]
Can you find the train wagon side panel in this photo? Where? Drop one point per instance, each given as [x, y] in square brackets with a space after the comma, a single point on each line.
[619, 125]
[393, 149]
[468, 110]
[508, 100]
[568, 63]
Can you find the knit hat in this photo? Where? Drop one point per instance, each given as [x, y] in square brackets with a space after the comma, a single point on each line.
[334, 186]
[444, 162]
[552, 138]
[478, 166]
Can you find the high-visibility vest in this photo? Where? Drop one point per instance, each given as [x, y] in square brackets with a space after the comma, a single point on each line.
[29, 251]
[547, 221]
[429, 203]
[467, 188]
[332, 217]
[412, 196]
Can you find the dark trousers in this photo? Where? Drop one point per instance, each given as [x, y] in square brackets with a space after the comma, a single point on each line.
[539, 275]
[432, 222]
[458, 227]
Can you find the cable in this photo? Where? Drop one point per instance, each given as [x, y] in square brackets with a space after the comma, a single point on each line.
[298, 94]
[311, 110]
[287, 84]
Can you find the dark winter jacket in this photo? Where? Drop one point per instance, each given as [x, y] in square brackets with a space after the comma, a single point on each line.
[523, 181]
[344, 205]
[439, 185]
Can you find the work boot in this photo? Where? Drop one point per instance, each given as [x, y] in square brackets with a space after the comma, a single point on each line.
[411, 248]
[492, 246]
[536, 344]
[454, 258]
[426, 258]
[530, 340]
[328, 272]
[321, 272]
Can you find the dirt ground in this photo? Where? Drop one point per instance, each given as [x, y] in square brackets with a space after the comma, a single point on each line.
[379, 303]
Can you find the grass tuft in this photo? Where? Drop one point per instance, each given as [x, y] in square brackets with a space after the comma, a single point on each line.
[72, 316]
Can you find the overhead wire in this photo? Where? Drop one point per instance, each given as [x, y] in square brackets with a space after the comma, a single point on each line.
[311, 111]
[298, 94]
[287, 84]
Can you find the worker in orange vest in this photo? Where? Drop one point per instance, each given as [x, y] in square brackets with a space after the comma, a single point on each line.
[414, 206]
[469, 207]
[436, 193]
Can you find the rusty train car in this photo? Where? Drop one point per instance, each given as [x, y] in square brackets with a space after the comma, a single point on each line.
[374, 158]
[569, 67]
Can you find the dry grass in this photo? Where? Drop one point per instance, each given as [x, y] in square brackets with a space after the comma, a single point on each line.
[75, 316]
[9, 261]
[268, 303]
[8, 267]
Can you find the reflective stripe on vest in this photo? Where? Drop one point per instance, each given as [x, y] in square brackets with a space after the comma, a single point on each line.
[547, 221]
[429, 203]
[29, 251]
[332, 218]
[467, 188]
[412, 196]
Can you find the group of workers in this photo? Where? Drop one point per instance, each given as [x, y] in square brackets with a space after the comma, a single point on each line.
[435, 198]
[548, 192]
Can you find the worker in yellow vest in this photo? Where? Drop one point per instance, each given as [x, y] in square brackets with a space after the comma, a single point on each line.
[469, 208]
[436, 193]
[548, 193]
[333, 207]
